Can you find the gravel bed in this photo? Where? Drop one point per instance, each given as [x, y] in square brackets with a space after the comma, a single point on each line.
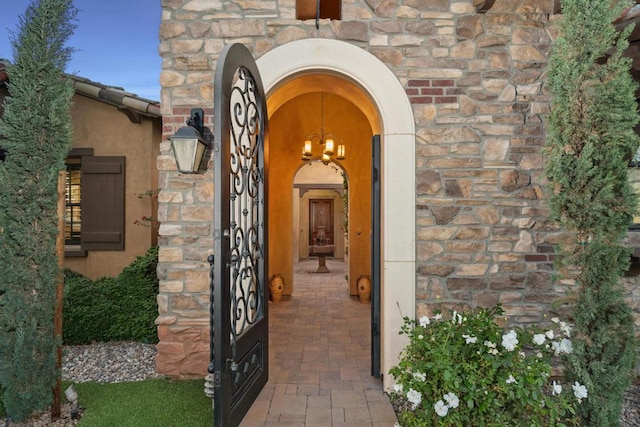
[109, 362]
[101, 362]
[128, 361]
[631, 407]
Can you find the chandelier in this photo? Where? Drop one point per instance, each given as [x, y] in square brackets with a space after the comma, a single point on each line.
[325, 140]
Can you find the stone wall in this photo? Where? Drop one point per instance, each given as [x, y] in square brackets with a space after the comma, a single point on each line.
[477, 86]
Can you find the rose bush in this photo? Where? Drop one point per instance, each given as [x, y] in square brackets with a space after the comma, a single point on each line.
[466, 370]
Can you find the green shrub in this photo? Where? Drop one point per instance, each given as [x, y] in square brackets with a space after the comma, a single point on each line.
[37, 133]
[590, 139]
[467, 370]
[119, 308]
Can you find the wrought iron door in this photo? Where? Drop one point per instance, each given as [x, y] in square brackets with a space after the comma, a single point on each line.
[375, 257]
[239, 321]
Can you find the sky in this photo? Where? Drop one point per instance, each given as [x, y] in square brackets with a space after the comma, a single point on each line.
[115, 42]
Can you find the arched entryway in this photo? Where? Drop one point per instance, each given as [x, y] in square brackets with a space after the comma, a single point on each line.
[380, 97]
[294, 113]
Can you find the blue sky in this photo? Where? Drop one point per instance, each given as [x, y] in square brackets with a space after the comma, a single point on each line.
[115, 42]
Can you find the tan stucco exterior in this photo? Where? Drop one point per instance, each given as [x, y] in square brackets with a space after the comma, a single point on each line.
[110, 133]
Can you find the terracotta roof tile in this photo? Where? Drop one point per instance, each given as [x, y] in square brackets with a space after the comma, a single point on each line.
[112, 95]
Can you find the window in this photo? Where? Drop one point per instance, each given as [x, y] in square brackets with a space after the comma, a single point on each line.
[73, 207]
[94, 215]
[329, 9]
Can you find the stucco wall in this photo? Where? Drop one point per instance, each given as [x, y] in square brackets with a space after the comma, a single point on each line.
[110, 133]
[288, 129]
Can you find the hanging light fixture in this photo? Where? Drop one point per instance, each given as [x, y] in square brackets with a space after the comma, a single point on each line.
[325, 140]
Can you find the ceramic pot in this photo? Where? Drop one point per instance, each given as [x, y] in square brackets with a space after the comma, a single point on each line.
[364, 288]
[276, 287]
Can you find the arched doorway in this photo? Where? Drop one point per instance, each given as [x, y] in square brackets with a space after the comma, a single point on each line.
[319, 193]
[294, 110]
[382, 99]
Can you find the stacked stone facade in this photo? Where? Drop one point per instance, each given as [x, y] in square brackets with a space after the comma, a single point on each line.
[476, 83]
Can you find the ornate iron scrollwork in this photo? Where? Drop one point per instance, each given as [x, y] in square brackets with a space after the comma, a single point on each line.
[239, 335]
[247, 177]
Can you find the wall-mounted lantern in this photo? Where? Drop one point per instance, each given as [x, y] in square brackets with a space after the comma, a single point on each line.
[188, 144]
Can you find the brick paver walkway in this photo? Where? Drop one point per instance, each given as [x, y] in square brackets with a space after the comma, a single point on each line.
[319, 358]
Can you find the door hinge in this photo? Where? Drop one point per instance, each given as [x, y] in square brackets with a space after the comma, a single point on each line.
[217, 379]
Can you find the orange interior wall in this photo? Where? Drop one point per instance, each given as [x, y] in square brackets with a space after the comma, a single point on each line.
[288, 127]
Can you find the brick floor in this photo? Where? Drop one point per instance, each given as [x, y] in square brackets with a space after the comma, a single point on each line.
[319, 358]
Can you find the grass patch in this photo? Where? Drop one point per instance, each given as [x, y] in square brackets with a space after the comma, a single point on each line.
[156, 402]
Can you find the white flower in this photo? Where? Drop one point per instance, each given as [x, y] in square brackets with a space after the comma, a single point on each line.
[511, 380]
[549, 334]
[565, 328]
[579, 391]
[539, 339]
[437, 316]
[397, 388]
[565, 346]
[555, 319]
[470, 339]
[424, 321]
[419, 376]
[414, 397]
[452, 400]
[441, 408]
[557, 389]
[510, 340]
[492, 347]
[420, 337]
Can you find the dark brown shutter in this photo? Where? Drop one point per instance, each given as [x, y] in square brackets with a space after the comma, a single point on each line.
[103, 203]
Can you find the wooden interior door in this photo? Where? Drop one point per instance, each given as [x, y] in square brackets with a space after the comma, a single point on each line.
[320, 222]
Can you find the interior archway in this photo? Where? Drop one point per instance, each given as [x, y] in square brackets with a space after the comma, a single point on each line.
[382, 99]
[305, 113]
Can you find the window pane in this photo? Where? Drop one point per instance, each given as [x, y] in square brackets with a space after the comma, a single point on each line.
[73, 198]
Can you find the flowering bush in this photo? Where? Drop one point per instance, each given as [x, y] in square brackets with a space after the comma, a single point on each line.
[466, 370]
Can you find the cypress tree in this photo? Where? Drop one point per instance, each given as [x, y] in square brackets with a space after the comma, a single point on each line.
[37, 132]
[590, 141]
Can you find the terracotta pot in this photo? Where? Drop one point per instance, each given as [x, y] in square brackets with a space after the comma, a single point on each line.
[276, 287]
[364, 288]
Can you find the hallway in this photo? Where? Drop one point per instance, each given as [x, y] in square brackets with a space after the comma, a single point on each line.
[319, 358]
